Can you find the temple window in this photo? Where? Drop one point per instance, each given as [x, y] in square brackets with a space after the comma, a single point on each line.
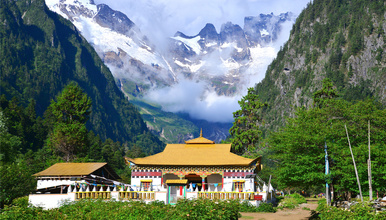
[145, 184]
[239, 185]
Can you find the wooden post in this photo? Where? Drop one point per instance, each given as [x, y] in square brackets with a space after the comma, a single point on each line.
[355, 167]
[369, 168]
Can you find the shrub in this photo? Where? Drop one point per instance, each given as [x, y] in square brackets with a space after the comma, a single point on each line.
[266, 207]
[101, 209]
[207, 209]
[359, 211]
[263, 207]
[299, 198]
[292, 201]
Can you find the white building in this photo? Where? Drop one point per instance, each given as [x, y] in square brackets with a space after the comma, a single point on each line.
[66, 181]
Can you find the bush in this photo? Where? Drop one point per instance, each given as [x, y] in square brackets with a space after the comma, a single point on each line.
[266, 207]
[292, 201]
[299, 198]
[263, 207]
[207, 209]
[359, 211]
[101, 209]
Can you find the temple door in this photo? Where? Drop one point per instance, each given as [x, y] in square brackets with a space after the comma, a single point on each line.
[176, 192]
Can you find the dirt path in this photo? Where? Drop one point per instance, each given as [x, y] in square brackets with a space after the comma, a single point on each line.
[287, 214]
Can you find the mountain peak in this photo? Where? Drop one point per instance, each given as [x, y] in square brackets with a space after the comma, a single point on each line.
[232, 33]
[209, 32]
[115, 20]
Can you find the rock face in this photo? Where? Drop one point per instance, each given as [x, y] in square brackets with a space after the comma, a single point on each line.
[228, 51]
[265, 28]
[114, 20]
[322, 45]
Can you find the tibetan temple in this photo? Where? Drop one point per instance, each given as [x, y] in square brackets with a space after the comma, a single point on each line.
[199, 165]
[199, 168]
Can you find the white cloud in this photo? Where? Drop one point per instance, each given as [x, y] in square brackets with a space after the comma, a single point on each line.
[194, 98]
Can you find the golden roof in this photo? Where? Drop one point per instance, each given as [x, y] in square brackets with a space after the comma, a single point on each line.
[199, 140]
[183, 181]
[196, 152]
[73, 169]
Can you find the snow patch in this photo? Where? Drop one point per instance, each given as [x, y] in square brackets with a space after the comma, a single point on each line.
[192, 67]
[264, 33]
[192, 43]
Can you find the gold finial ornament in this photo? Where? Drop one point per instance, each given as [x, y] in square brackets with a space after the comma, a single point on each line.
[201, 133]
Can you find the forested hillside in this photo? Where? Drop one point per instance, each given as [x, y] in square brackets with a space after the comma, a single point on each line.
[41, 52]
[58, 102]
[342, 40]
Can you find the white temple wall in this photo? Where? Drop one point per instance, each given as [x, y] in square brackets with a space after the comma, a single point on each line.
[228, 184]
[161, 196]
[135, 183]
[249, 185]
[156, 183]
[49, 201]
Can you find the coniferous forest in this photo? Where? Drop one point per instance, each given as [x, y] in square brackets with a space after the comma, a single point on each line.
[41, 54]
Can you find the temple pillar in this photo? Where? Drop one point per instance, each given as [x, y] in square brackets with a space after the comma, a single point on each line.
[203, 181]
[222, 182]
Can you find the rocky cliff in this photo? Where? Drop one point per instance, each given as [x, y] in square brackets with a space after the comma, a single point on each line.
[341, 40]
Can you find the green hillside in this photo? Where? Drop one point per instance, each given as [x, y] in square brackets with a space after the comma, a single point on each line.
[342, 40]
[41, 52]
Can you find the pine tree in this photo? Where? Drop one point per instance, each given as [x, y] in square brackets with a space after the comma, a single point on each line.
[69, 115]
[245, 130]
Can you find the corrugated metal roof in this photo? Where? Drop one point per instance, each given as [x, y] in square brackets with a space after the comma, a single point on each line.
[70, 169]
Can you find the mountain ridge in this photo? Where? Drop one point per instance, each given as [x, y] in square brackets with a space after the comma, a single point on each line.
[343, 41]
[41, 52]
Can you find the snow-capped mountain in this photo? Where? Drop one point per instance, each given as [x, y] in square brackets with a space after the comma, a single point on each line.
[231, 56]
[221, 60]
[223, 64]
[118, 41]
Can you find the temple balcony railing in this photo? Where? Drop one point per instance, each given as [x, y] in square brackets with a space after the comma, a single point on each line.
[227, 195]
[93, 195]
[137, 195]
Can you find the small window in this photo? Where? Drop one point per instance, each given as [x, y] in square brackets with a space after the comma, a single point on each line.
[239, 186]
[145, 186]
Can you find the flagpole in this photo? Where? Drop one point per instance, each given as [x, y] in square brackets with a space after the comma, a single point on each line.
[328, 199]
